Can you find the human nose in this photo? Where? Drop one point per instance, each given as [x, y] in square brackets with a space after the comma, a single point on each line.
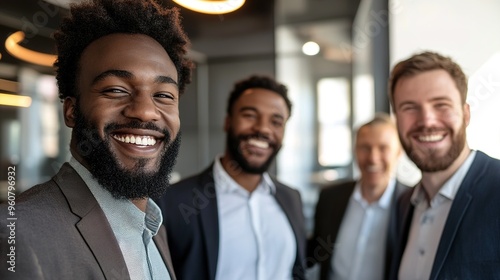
[373, 155]
[263, 126]
[427, 117]
[142, 107]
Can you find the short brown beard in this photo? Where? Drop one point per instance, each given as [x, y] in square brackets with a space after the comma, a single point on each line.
[433, 163]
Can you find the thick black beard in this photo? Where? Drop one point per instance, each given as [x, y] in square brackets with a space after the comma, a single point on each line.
[233, 146]
[433, 163]
[103, 164]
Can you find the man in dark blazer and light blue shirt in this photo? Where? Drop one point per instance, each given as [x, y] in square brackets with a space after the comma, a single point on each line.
[450, 222]
[353, 237]
[121, 69]
[233, 220]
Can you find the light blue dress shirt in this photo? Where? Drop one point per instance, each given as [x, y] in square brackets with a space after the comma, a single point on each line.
[133, 229]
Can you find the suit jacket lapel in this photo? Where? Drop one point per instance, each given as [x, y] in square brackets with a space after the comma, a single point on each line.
[392, 231]
[404, 216]
[458, 209]
[294, 215]
[93, 226]
[206, 202]
[160, 240]
[339, 203]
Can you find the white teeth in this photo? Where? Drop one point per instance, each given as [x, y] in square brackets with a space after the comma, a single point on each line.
[137, 140]
[431, 138]
[258, 143]
[373, 168]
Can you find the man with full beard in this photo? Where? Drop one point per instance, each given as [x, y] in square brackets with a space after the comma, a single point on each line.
[121, 68]
[233, 220]
[450, 221]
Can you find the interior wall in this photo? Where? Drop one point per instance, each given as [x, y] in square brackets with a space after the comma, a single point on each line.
[227, 48]
[203, 109]
[465, 31]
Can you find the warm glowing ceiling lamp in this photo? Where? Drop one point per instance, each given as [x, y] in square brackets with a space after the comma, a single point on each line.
[15, 100]
[211, 6]
[310, 48]
[13, 47]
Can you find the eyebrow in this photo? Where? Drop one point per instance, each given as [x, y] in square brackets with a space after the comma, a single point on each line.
[129, 75]
[435, 99]
[249, 108]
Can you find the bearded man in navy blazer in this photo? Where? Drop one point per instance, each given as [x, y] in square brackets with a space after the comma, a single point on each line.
[233, 220]
[450, 221]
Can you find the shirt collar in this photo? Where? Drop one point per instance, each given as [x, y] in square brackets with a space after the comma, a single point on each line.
[224, 183]
[119, 210]
[383, 202]
[450, 187]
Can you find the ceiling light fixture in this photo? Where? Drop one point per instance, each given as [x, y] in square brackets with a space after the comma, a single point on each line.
[15, 100]
[211, 6]
[310, 48]
[13, 47]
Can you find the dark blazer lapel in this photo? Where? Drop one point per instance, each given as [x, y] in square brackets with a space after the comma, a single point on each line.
[458, 209]
[296, 219]
[206, 202]
[160, 240]
[404, 216]
[93, 226]
[339, 204]
[328, 220]
[392, 231]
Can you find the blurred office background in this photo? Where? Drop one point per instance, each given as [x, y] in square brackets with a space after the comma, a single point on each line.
[336, 81]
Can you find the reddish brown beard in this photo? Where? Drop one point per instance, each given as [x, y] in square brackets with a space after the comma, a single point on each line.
[431, 162]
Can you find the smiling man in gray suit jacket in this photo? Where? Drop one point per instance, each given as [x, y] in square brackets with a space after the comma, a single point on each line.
[120, 70]
[234, 221]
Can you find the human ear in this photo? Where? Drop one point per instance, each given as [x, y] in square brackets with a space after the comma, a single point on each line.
[69, 111]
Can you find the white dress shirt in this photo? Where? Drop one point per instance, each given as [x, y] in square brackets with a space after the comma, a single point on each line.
[428, 224]
[256, 240]
[360, 246]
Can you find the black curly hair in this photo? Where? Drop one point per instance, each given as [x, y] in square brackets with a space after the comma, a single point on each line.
[257, 81]
[93, 19]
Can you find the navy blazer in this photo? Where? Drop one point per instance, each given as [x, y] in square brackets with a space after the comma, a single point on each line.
[330, 210]
[470, 243]
[189, 208]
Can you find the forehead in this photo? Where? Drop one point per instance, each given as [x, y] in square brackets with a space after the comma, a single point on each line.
[377, 134]
[126, 51]
[427, 85]
[261, 100]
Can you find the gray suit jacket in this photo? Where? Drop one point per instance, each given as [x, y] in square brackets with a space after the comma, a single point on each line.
[190, 215]
[330, 210]
[62, 233]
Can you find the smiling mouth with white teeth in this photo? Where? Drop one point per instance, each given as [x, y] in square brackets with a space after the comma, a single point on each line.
[258, 143]
[373, 168]
[136, 139]
[430, 138]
